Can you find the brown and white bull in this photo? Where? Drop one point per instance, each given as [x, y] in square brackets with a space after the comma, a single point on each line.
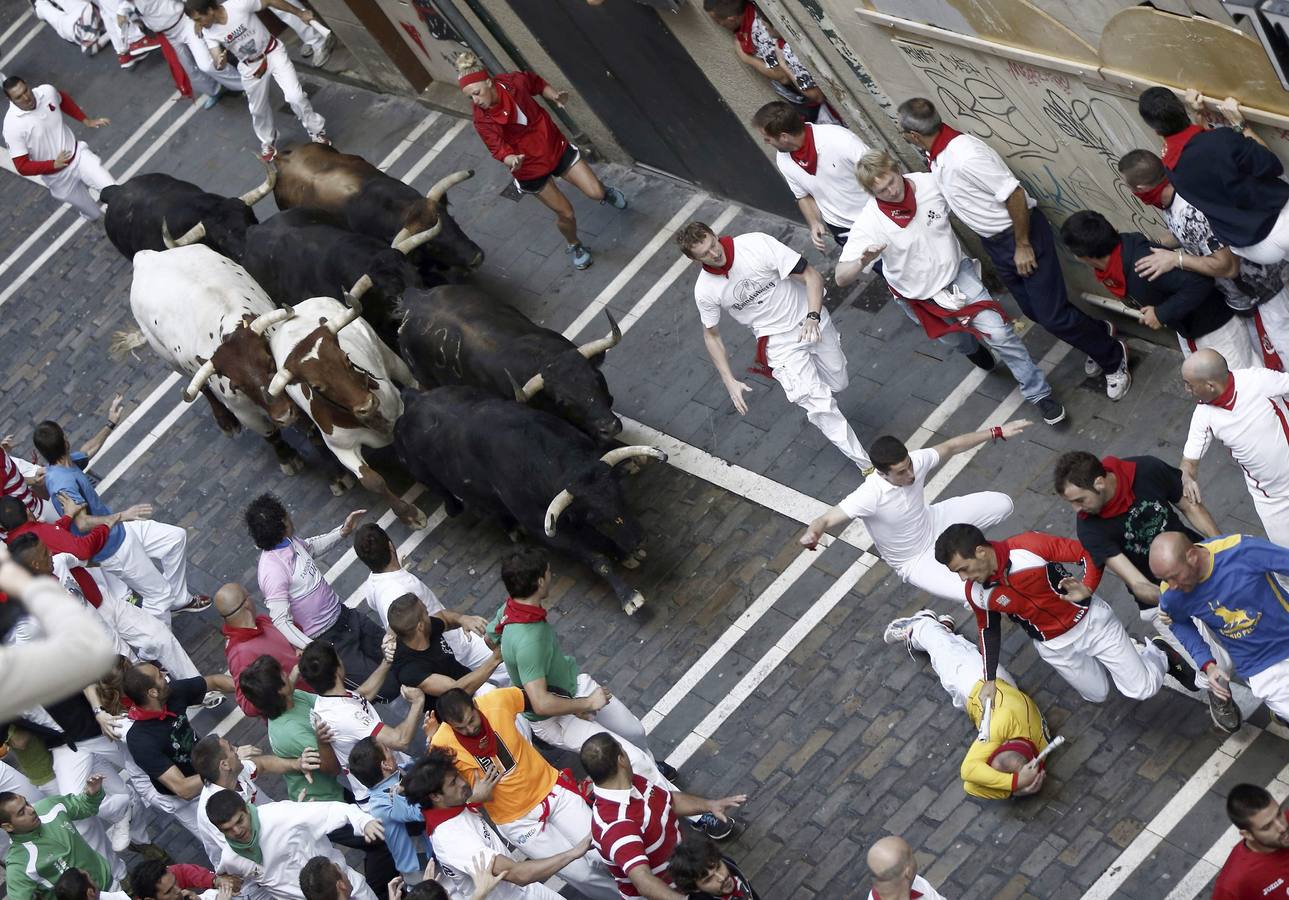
[370, 202]
[208, 319]
[332, 364]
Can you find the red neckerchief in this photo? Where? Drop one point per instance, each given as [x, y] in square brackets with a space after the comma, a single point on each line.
[761, 361]
[88, 588]
[937, 321]
[520, 614]
[1153, 196]
[901, 213]
[139, 714]
[1270, 357]
[1023, 746]
[1004, 554]
[1112, 275]
[237, 635]
[1226, 399]
[728, 244]
[436, 816]
[482, 745]
[942, 138]
[744, 30]
[1121, 502]
[1174, 144]
[503, 111]
[806, 155]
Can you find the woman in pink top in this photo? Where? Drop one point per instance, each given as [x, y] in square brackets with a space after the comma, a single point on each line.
[301, 603]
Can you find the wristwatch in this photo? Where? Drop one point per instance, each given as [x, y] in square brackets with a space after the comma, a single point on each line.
[812, 315]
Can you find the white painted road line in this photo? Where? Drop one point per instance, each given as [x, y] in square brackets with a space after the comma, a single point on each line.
[171, 381]
[17, 23]
[406, 143]
[631, 269]
[143, 446]
[439, 146]
[1173, 812]
[17, 48]
[349, 557]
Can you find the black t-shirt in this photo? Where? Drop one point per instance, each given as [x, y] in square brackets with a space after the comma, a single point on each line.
[1156, 486]
[411, 667]
[75, 717]
[158, 744]
[742, 889]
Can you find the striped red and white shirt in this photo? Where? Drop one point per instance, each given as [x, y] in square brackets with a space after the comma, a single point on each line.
[1252, 420]
[12, 484]
[632, 828]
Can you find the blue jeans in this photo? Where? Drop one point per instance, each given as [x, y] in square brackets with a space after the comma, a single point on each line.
[998, 335]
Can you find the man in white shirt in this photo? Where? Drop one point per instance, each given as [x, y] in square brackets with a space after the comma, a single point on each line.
[166, 18]
[41, 144]
[892, 504]
[906, 226]
[985, 195]
[1246, 410]
[389, 580]
[232, 26]
[269, 845]
[895, 872]
[769, 287]
[818, 163]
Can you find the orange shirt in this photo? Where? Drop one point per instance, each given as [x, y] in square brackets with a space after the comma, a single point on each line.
[527, 777]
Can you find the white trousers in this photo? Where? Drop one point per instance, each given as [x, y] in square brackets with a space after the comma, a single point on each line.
[71, 185]
[307, 33]
[1099, 645]
[1274, 513]
[72, 768]
[195, 57]
[955, 659]
[1231, 340]
[1271, 686]
[1274, 247]
[1215, 648]
[121, 40]
[146, 635]
[281, 70]
[160, 590]
[1274, 316]
[64, 17]
[571, 732]
[810, 373]
[983, 510]
[567, 824]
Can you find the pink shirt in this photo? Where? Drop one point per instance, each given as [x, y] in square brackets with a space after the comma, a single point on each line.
[289, 578]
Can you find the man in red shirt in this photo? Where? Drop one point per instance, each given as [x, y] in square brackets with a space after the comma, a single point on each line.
[1073, 629]
[519, 133]
[248, 635]
[634, 823]
[14, 484]
[1259, 864]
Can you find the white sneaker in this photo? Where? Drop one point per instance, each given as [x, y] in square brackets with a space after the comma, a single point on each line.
[1091, 368]
[1118, 381]
[212, 699]
[901, 630]
[118, 833]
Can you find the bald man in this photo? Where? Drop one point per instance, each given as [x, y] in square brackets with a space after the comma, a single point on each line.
[895, 872]
[1237, 586]
[1246, 410]
[248, 635]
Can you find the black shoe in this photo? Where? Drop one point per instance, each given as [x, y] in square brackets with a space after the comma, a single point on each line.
[713, 827]
[1224, 713]
[1179, 668]
[981, 358]
[670, 772]
[1051, 410]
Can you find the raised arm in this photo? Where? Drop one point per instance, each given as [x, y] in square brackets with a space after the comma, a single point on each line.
[953, 446]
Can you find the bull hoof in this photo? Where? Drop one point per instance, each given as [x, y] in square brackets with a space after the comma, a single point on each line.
[639, 553]
[631, 467]
[412, 517]
[633, 603]
[631, 563]
[232, 430]
[291, 466]
[516, 535]
[342, 483]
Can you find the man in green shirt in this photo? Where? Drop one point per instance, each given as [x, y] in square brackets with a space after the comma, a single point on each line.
[568, 706]
[46, 843]
[291, 730]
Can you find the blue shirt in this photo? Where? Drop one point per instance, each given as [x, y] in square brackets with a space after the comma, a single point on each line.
[76, 484]
[1240, 600]
[395, 813]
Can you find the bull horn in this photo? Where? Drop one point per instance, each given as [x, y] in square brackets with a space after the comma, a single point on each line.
[520, 396]
[622, 454]
[403, 234]
[267, 320]
[436, 193]
[556, 509]
[354, 311]
[361, 286]
[534, 385]
[191, 236]
[596, 347]
[407, 245]
[255, 195]
[199, 380]
[280, 381]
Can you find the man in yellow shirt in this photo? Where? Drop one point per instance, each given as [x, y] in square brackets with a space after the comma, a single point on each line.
[536, 808]
[1003, 760]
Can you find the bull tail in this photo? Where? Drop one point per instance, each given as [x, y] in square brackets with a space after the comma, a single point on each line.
[124, 342]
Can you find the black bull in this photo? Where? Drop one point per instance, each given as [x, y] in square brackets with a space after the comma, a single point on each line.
[457, 334]
[529, 468]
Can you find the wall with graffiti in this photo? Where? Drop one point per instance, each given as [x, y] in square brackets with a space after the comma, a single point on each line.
[432, 39]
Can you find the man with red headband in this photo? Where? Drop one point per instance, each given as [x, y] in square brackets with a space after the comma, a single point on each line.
[519, 133]
[907, 228]
[985, 195]
[1002, 761]
[1227, 175]
[1187, 302]
[1256, 293]
[539, 810]
[1025, 578]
